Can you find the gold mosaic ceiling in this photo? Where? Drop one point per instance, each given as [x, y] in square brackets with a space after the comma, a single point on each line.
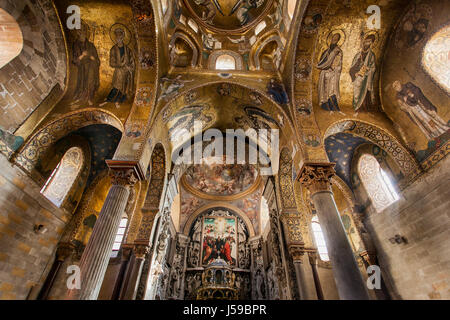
[228, 14]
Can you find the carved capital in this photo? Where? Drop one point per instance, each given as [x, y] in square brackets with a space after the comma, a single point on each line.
[123, 177]
[317, 176]
[312, 255]
[64, 251]
[140, 251]
[297, 252]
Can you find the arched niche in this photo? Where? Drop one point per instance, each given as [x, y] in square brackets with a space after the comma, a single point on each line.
[267, 55]
[406, 162]
[214, 226]
[29, 155]
[183, 51]
[223, 205]
[218, 54]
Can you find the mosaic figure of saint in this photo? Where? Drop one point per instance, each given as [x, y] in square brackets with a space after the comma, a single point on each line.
[85, 58]
[420, 110]
[362, 73]
[122, 60]
[330, 64]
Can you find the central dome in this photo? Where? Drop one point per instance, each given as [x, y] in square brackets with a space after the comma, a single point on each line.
[228, 15]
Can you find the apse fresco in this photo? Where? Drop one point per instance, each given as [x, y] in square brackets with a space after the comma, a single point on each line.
[228, 14]
[221, 179]
[219, 240]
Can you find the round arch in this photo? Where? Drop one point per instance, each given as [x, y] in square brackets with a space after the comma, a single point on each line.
[188, 225]
[191, 43]
[29, 155]
[406, 162]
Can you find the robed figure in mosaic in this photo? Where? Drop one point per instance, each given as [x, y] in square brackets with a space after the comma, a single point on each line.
[420, 110]
[85, 58]
[122, 60]
[330, 64]
[362, 73]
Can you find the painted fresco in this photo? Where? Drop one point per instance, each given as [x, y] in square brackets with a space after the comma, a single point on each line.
[219, 240]
[219, 179]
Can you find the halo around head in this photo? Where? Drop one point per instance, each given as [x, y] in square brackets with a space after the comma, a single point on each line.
[332, 33]
[370, 33]
[112, 33]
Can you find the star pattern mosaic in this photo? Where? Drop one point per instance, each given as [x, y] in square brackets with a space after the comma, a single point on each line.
[340, 148]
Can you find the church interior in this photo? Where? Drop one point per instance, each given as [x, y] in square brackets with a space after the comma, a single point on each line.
[116, 115]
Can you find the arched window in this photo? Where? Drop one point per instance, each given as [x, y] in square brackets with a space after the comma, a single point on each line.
[11, 39]
[226, 62]
[63, 177]
[319, 239]
[119, 236]
[377, 183]
[436, 57]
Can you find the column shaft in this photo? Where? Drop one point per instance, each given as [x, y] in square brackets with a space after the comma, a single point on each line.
[95, 258]
[348, 278]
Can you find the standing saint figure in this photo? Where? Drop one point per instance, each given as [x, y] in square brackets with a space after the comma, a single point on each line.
[362, 73]
[122, 60]
[420, 110]
[330, 64]
[85, 58]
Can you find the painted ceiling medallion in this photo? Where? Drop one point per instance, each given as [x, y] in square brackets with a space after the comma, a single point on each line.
[215, 179]
[228, 15]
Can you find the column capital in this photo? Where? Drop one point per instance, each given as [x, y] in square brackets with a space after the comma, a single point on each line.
[64, 251]
[312, 255]
[126, 251]
[125, 172]
[140, 251]
[123, 177]
[297, 252]
[317, 176]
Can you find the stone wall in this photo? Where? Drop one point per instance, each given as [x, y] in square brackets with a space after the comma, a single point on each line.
[25, 256]
[419, 269]
[28, 79]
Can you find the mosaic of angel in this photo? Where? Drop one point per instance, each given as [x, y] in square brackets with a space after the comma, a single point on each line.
[243, 8]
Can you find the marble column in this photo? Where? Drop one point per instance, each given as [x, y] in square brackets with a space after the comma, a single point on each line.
[130, 289]
[317, 178]
[297, 253]
[95, 258]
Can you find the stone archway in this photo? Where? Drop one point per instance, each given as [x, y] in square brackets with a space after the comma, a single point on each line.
[406, 162]
[28, 156]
